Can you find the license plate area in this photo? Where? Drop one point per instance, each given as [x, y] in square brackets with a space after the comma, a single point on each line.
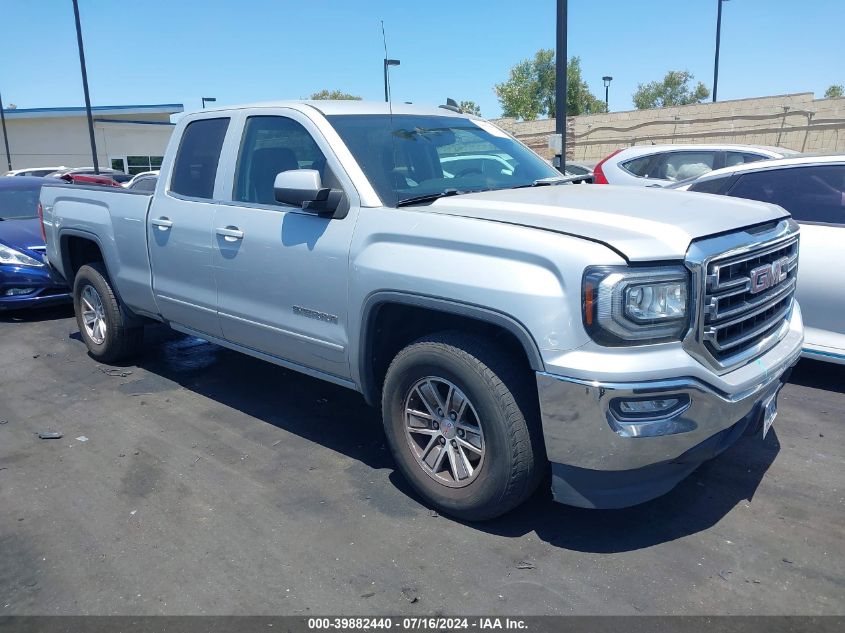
[770, 411]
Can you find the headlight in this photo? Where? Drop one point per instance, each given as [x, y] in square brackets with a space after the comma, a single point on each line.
[16, 258]
[634, 306]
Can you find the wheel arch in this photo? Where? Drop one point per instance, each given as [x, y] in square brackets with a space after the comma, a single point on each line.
[418, 315]
[79, 248]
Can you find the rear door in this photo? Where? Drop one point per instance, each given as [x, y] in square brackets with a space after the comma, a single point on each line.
[282, 272]
[815, 196]
[179, 227]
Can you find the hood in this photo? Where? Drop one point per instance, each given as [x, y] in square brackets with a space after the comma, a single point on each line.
[642, 224]
[23, 235]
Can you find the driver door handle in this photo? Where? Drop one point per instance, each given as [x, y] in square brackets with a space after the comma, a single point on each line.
[230, 233]
[162, 223]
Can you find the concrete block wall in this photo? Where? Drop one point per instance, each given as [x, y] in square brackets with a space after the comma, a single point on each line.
[795, 121]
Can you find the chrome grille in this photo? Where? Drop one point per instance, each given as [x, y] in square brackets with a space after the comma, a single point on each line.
[736, 319]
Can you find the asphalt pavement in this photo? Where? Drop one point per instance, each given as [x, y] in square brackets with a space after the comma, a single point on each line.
[200, 481]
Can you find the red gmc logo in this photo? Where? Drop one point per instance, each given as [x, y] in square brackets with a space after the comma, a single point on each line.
[769, 275]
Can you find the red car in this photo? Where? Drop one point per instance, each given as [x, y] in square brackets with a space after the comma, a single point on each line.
[90, 179]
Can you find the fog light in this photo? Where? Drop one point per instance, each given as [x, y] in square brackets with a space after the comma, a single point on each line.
[16, 292]
[644, 407]
[650, 417]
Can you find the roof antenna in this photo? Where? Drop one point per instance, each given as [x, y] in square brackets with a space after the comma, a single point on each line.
[452, 105]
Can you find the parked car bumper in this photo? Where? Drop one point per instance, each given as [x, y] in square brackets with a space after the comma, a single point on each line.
[603, 458]
[24, 287]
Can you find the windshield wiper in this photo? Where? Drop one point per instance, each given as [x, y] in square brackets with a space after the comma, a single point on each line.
[429, 197]
[550, 181]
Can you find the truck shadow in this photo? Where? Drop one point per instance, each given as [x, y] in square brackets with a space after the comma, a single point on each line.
[696, 504]
[318, 411]
[338, 418]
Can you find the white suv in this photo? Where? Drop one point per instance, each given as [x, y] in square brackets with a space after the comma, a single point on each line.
[660, 165]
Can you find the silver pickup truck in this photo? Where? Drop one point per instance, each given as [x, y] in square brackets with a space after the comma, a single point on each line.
[509, 324]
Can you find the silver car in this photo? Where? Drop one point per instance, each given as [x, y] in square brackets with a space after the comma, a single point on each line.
[661, 165]
[812, 189]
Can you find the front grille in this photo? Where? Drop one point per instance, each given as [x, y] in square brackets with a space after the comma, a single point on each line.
[735, 319]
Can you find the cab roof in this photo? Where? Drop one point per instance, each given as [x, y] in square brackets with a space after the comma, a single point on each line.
[329, 107]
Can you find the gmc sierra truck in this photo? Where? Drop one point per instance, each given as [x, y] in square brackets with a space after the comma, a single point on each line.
[509, 324]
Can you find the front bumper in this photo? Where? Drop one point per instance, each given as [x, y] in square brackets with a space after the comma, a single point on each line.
[598, 463]
[40, 287]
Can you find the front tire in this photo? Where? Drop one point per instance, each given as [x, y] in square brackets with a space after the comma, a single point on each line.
[462, 423]
[101, 321]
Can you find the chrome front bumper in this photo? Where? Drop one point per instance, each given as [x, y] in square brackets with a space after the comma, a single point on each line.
[598, 461]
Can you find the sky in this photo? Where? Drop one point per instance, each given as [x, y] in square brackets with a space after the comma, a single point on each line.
[178, 51]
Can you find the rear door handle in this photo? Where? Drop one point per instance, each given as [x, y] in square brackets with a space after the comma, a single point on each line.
[162, 223]
[230, 233]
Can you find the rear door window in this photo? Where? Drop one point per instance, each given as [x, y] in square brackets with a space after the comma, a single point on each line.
[196, 162]
[813, 194]
[676, 166]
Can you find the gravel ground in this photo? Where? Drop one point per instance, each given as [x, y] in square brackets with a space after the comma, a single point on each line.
[201, 481]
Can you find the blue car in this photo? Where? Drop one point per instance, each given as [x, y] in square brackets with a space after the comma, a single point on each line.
[25, 280]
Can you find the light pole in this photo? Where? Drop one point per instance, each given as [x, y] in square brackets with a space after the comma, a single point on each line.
[5, 134]
[607, 79]
[85, 87]
[560, 83]
[388, 62]
[208, 100]
[718, 39]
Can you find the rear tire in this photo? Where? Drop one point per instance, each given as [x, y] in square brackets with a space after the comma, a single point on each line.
[483, 454]
[101, 321]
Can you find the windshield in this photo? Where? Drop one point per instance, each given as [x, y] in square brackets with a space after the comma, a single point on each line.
[19, 201]
[410, 156]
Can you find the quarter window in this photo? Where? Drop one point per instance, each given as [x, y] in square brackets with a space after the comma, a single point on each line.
[713, 185]
[195, 167]
[639, 166]
[273, 144]
[813, 194]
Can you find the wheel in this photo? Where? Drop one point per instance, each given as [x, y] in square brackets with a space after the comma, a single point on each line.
[99, 317]
[463, 426]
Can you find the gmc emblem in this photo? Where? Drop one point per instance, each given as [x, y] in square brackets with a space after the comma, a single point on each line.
[769, 275]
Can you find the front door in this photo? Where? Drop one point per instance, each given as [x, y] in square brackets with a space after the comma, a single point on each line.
[282, 272]
[179, 226]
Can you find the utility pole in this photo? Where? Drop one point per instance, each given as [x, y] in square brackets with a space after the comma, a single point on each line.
[85, 87]
[718, 40]
[560, 83]
[5, 134]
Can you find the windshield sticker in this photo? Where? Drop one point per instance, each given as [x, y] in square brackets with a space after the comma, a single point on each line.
[490, 128]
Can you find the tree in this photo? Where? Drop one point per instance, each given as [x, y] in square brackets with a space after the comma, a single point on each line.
[530, 89]
[834, 91]
[674, 90]
[470, 107]
[334, 94]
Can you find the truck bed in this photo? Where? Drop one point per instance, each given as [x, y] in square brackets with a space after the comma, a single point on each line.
[116, 220]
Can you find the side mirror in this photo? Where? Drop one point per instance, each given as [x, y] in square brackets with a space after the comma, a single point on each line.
[301, 187]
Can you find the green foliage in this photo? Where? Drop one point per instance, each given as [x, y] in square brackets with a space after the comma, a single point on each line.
[834, 91]
[530, 89]
[470, 107]
[334, 95]
[674, 90]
